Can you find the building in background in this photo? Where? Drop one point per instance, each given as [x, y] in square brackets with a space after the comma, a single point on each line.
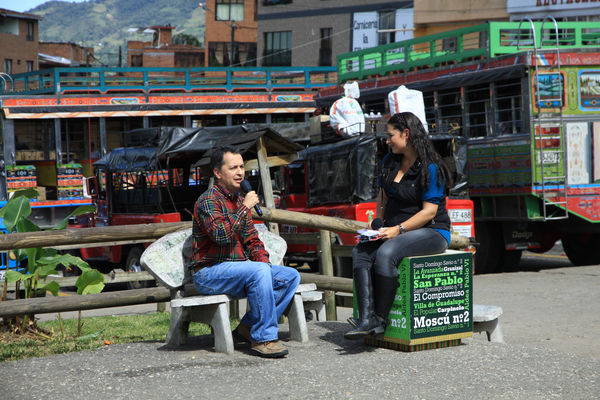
[230, 32]
[161, 52]
[563, 10]
[64, 54]
[18, 42]
[435, 16]
[313, 32]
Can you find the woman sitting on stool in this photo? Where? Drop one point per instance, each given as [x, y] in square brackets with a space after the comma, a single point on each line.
[412, 203]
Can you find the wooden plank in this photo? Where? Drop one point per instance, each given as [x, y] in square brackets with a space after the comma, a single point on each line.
[272, 161]
[149, 232]
[301, 238]
[89, 235]
[326, 262]
[113, 277]
[41, 305]
[265, 178]
[99, 244]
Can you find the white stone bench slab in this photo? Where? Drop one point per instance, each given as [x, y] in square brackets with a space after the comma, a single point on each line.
[166, 260]
[486, 319]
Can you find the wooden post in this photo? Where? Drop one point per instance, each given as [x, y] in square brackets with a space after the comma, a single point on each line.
[326, 262]
[234, 309]
[265, 178]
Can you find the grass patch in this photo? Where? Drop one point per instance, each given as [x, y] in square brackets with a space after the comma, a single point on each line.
[96, 332]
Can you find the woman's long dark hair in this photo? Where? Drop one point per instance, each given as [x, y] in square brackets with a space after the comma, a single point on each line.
[422, 144]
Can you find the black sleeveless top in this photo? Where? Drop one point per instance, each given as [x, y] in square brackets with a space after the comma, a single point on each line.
[405, 198]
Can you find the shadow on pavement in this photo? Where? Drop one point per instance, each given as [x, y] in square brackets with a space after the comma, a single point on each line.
[336, 336]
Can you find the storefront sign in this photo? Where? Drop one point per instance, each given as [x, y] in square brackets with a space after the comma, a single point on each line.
[364, 30]
[404, 24]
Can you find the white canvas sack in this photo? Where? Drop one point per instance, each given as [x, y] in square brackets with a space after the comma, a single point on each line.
[408, 100]
[345, 114]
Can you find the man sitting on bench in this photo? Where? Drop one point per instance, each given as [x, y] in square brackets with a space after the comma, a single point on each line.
[229, 258]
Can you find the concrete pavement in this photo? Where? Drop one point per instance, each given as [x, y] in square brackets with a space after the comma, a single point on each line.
[551, 323]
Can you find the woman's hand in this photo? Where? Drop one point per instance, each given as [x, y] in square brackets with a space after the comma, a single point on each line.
[390, 232]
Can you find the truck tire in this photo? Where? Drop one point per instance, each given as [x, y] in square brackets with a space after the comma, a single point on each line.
[582, 248]
[133, 265]
[490, 249]
[509, 260]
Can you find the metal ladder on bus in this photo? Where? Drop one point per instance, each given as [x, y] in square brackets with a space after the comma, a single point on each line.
[548, 127]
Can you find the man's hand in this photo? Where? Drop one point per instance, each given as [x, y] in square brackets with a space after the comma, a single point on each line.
[251, 199]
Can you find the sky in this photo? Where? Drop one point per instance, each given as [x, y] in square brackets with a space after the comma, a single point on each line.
[26, 5]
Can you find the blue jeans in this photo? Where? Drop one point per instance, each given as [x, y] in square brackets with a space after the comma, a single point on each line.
[269, 290]
[383, 256]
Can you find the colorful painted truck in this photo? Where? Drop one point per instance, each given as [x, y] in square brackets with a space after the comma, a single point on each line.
[516, 105]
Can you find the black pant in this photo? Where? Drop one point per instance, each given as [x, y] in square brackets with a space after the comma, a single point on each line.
[385, 255]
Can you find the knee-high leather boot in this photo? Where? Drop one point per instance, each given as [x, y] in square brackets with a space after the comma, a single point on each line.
[368, 323]
[384, 288]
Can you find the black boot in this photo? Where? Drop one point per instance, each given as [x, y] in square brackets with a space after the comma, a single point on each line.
[384, 288]
[368, 323]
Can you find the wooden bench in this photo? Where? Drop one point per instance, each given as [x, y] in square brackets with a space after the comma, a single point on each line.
[166, 260]
[485, 319]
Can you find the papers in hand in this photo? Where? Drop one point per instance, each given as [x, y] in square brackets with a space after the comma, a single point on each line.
[367, 235]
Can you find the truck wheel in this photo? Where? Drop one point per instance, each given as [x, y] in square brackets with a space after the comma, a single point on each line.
[491, 246]
[133, 265]
[582, 248]
[509, 261]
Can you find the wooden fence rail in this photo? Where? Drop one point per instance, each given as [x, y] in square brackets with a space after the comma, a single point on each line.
[41, 305]
[110, 235]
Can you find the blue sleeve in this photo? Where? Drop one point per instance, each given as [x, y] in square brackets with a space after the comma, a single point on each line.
[434, 192]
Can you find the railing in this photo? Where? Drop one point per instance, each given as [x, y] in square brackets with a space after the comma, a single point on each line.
[148, 232]
[146, 80]
[480, 41]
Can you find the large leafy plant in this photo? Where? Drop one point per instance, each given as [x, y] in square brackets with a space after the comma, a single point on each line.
[42, 262]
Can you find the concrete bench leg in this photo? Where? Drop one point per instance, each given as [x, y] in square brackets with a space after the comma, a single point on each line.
[492, 330]
[178, 330]
[298, 329]
[217, 316]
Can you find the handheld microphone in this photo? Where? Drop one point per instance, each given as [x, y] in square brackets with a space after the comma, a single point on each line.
[376, 224]
[246, 187]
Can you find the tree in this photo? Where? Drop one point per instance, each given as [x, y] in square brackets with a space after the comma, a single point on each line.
[184, 38]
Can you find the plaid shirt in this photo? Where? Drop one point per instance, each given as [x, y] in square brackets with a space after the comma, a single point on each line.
[223, 230]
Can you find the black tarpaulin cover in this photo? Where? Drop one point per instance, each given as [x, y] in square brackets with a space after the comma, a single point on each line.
[128, 159]
[344, 171]
[175, 146]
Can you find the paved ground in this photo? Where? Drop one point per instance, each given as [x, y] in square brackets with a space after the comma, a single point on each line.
[551, 323]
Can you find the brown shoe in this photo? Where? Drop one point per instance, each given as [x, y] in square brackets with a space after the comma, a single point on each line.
[269, 350]
[242, 333]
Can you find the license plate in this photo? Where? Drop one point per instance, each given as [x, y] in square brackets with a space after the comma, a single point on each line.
[460, 215]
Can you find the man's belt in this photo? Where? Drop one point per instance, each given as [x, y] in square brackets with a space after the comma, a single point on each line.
[197, 268]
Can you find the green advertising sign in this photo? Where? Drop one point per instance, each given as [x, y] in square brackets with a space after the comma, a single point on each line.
[434, 299]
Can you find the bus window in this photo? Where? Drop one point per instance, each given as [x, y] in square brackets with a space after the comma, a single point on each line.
[508, 107]
[450, 112]
[477, 105]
